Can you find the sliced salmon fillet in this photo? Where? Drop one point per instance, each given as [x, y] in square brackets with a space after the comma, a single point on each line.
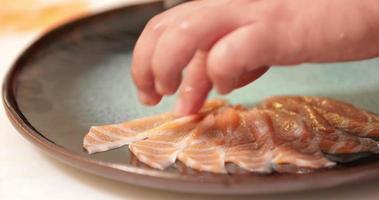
[331, 139]
[340, 115]
[160, 149]
[104, 138]
[250, 144]
[247, 139]
[284, 134]
[294, 142]
[227, 136]
[205, 150]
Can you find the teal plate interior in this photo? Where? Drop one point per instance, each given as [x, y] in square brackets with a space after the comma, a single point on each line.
[78, 75]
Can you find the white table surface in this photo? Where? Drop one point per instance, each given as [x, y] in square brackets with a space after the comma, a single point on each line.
[27, 173]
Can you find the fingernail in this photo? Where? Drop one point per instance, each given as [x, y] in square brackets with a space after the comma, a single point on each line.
[163, 89]
[160, 88]
[222, 90]
[227, 86]
[145, 98]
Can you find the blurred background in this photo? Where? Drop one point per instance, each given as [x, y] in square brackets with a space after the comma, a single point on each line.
[24, 16]
[22, 21]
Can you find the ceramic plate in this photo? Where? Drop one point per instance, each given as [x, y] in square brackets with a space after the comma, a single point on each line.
[77, 76]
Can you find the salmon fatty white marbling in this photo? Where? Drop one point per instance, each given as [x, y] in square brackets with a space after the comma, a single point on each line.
[281, 133]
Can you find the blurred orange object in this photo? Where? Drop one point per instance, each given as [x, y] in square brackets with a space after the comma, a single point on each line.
[20, 16]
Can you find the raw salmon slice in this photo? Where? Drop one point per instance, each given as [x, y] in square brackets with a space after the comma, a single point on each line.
[250, 144]
[340, 115]
[205, 150]
[104, 138]
[227, 136]
[294, 142]
[284, 134]
[331, 139]
[160, 149]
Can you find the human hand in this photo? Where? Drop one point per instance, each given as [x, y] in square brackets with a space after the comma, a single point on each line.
[230, 43]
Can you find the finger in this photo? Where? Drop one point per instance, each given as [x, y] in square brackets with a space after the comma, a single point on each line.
[141, 72]
[243, 51]
[149, 98]
[178, 44]
[195, 86]
[144, 49]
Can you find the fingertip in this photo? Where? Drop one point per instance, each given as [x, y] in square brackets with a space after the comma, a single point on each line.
[223, 90]
[251, 76]
[164, 89]
[222, 68]
[149, 99]
[169, 60]
[237, 59]
[159, 88]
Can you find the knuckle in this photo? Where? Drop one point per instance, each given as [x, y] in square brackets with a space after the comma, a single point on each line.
[186, 28]
[154, 21]
[155, 24]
